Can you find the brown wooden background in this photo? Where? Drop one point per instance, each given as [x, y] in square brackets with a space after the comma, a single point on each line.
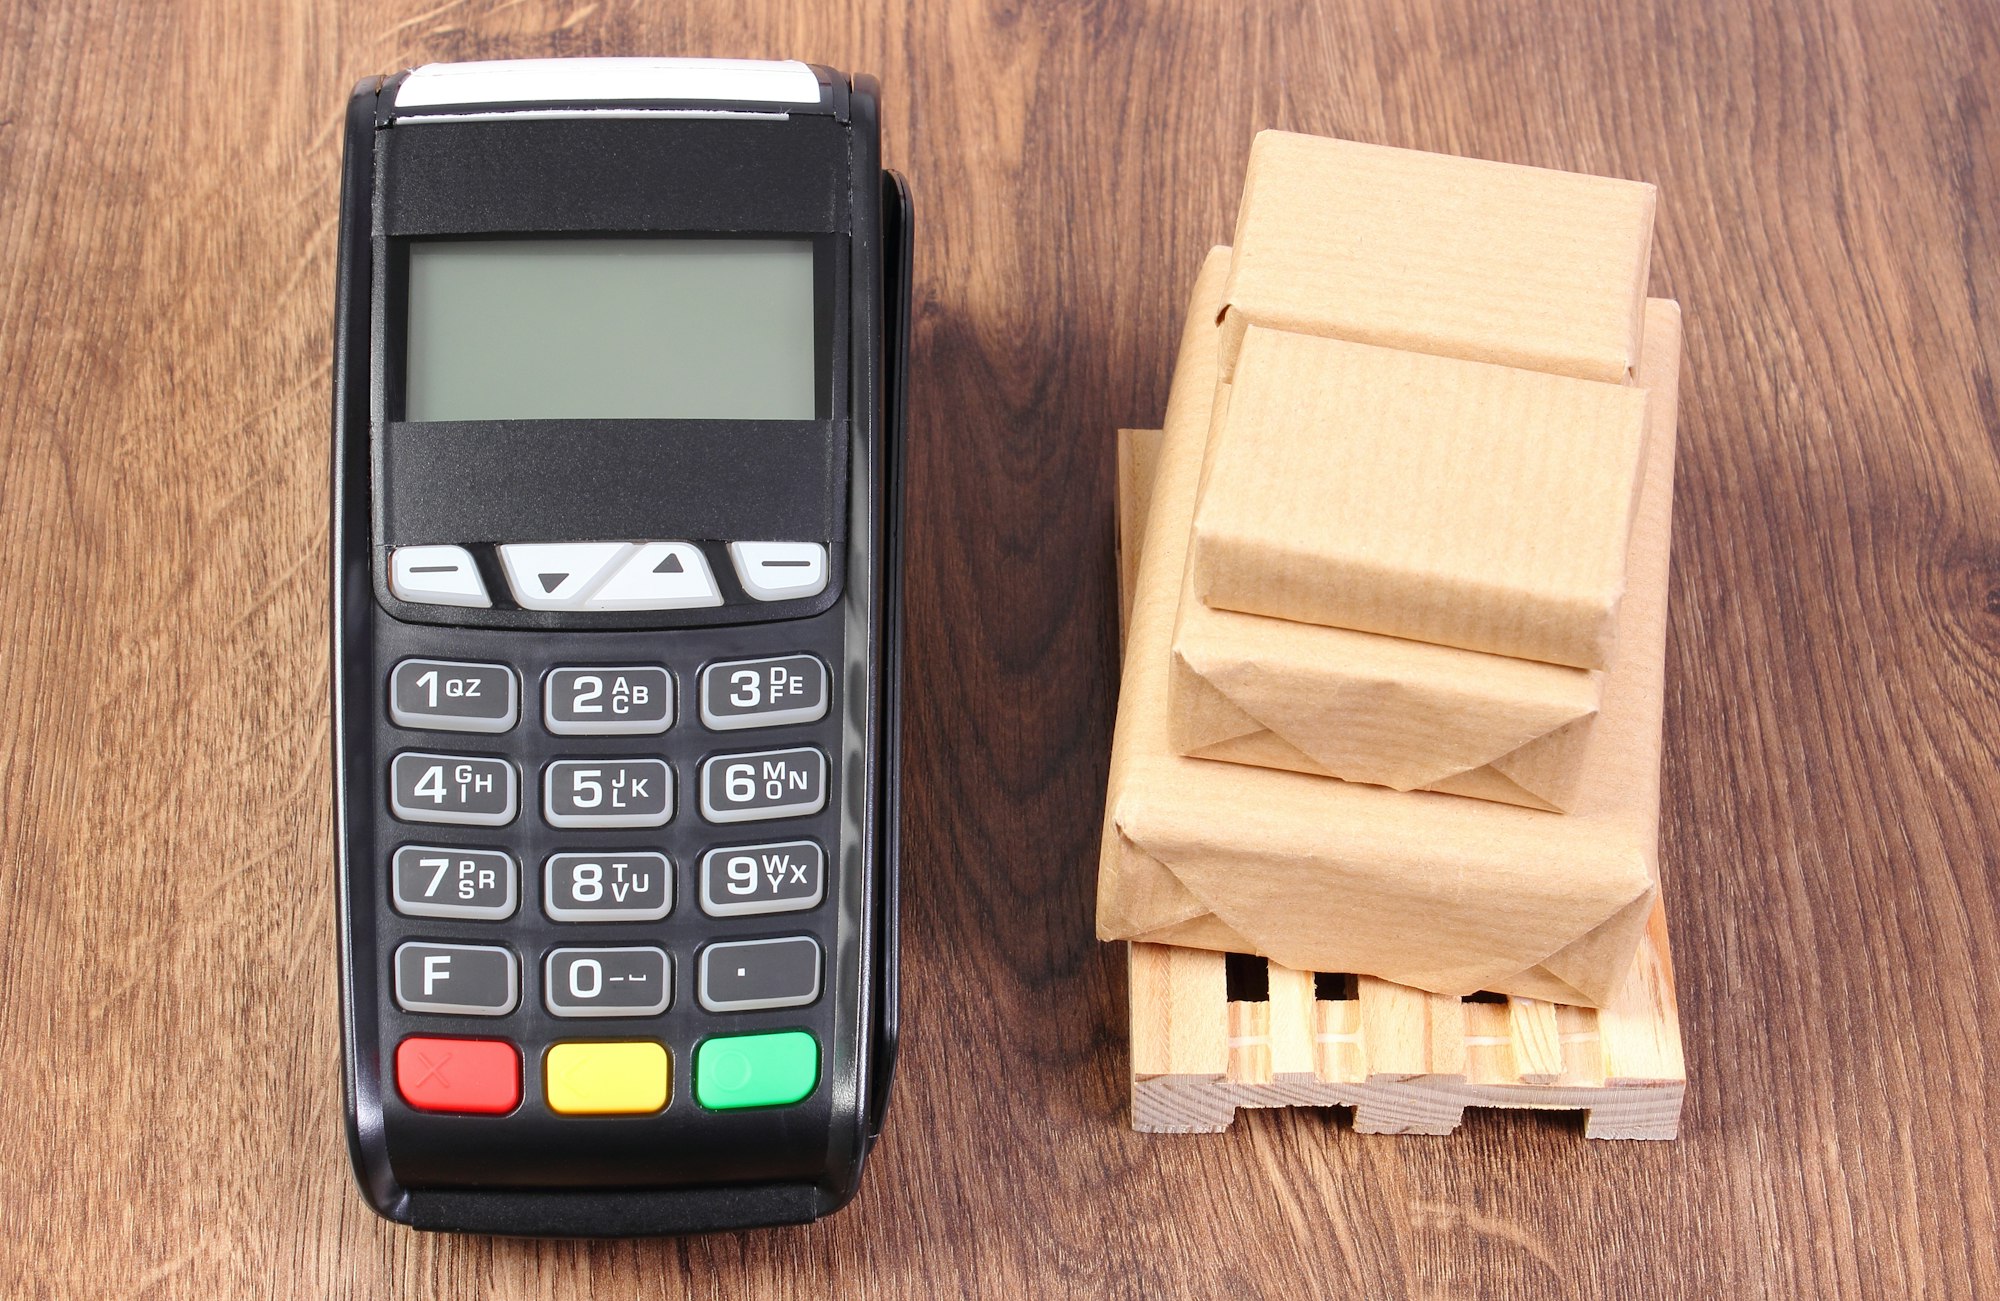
[1830, 218]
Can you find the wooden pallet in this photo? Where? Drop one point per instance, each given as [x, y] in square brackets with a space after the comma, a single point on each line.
[1407, 1061]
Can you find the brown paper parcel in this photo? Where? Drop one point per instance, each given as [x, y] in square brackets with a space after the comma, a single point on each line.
[1276, 693]
[1407, 714]
[1522, 266]
[1430, 890]
[1367, 708]
[1441, 500]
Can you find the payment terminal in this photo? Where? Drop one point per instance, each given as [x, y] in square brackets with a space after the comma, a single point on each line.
[618, 371]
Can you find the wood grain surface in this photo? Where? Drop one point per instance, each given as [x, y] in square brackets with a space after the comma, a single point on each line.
[1830, 219]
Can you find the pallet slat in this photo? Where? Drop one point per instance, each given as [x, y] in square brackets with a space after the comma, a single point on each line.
[1536, 1042]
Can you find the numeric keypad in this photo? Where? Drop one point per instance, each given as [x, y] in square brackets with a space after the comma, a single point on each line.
[604, 960]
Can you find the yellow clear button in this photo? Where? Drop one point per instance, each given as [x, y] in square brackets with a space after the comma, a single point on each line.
[607, 1079]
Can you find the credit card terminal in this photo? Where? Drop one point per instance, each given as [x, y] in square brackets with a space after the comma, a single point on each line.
[618, 370]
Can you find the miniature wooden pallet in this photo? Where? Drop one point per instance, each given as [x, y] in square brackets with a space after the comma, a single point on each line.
[1407, 1061]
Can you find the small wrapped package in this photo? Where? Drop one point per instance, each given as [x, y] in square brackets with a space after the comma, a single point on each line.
[1522, 266]
[1422, 497]
[1368, 708]
[1430, 890]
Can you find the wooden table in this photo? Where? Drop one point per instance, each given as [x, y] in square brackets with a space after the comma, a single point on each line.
[1830, 218]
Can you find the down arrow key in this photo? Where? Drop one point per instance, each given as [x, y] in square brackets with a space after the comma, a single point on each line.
[558, 575]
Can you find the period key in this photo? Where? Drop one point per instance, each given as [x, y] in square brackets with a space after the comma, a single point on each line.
[752, 975]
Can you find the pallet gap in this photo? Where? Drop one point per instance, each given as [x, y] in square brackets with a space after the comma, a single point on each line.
[1246, 977]
[1335, 987]
[1484, 996]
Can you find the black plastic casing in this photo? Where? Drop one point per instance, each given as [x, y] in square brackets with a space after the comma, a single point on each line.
[813, 172]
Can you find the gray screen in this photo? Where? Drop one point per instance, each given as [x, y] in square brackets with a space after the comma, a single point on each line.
[718, 329]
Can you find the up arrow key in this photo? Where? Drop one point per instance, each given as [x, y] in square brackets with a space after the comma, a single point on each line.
[658, 576]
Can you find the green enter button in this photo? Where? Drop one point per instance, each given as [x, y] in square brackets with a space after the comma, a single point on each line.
[755, 1070]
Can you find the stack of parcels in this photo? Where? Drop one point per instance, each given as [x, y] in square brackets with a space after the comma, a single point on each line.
[1393, 680]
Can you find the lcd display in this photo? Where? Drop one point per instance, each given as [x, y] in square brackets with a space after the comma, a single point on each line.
[717, 329]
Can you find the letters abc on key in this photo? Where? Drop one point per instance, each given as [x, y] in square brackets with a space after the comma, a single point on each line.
[630, 701]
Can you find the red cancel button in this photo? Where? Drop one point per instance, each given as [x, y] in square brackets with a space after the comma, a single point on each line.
[482, 1076]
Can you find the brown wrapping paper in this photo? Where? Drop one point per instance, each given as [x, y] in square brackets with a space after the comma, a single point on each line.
[1430, 890]
[1424, 497]
[1366, 708]
[1522, 266]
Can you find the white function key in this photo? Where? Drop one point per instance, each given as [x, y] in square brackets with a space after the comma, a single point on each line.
[779, 571]
[436, 576]
[658, 576]
[557, 575]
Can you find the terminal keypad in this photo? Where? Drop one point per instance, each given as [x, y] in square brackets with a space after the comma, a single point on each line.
[572, 837]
